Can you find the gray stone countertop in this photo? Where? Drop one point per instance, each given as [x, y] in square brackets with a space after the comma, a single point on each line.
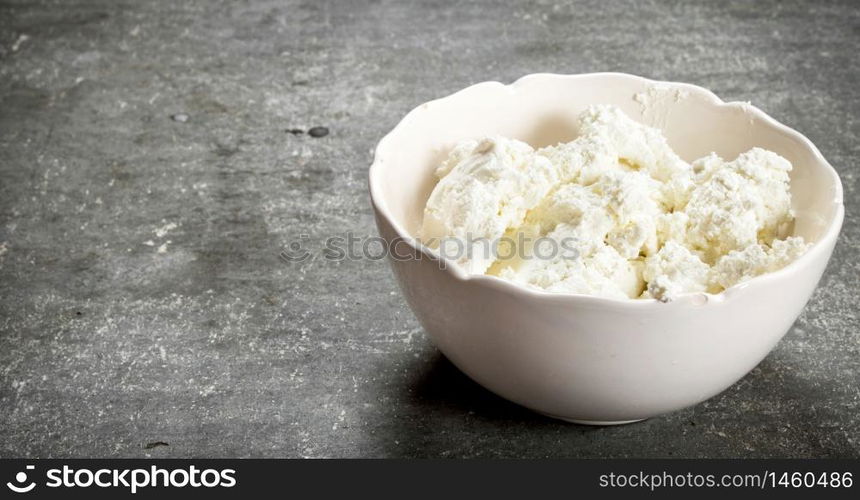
[149, 181]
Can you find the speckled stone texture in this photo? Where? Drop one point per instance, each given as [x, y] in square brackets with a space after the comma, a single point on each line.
[155, 160]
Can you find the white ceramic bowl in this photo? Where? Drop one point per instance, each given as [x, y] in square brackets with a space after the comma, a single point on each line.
[589, 359]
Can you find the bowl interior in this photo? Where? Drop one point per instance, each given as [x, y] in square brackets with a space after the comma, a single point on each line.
[542, 110]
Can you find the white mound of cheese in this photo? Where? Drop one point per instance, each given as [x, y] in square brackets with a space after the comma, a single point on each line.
[614, 213]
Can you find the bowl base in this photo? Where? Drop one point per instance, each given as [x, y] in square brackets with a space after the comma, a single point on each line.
[593, 422]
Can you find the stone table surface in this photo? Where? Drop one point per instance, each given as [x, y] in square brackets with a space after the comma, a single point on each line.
[149, 180]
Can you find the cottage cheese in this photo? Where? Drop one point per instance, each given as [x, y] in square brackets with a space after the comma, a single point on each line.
[485, 188]
[614, 213]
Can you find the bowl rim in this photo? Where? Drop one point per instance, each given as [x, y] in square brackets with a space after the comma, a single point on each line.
[697, 298]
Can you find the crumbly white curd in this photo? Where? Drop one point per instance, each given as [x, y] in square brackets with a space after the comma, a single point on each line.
[622, 214]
